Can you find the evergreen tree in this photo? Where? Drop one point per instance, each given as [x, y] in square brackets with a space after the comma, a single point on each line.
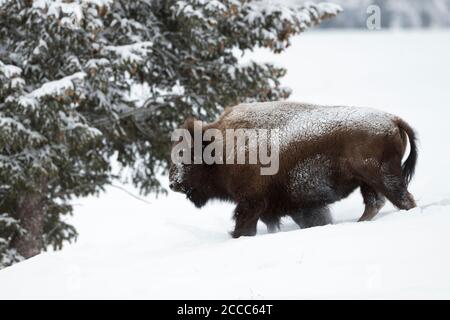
[68, 71]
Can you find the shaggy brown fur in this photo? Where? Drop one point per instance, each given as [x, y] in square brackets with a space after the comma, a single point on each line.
[327, 153]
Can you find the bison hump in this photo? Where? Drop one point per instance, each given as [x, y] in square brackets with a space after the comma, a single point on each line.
[306, 122]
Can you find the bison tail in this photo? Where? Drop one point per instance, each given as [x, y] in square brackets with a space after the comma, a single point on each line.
[409, 165]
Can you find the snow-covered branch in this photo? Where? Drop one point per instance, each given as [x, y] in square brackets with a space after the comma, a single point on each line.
[135, 52]
[9, 71]
[306, 13]
[286, 20]
[70, 13]
[12, 126]
[63, 87]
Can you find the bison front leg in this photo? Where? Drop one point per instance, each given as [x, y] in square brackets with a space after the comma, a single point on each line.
[312, 217]
[246, 215]
[273, 225]
[271, 220]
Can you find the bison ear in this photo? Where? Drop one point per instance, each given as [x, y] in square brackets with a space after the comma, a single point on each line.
[189, 124]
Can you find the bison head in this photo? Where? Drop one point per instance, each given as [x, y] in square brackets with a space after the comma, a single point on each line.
[186, 176]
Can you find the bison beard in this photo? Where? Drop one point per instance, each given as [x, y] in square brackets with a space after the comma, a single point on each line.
[196, 197]
[325, 154]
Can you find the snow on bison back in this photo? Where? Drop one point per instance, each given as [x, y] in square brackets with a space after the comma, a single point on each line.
[324, 153]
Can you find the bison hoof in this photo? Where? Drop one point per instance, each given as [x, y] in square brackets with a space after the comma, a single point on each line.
[242, 233]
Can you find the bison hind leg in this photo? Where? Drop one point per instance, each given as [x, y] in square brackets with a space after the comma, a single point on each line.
[391, 184]
[373, 201]
[385, 179]
[312, 217]
[394, 186]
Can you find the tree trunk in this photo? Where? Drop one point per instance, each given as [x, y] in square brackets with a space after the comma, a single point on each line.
[30, 213]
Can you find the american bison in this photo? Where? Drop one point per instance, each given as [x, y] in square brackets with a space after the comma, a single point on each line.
[325, 153]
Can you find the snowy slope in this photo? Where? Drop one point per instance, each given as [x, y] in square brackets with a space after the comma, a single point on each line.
[169, 249]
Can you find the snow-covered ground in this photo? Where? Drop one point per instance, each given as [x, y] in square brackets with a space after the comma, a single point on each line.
[169, 249]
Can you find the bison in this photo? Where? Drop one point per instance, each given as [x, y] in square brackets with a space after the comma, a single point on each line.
[325, 153]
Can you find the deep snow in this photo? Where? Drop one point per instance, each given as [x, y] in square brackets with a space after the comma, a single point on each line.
[169, 249]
